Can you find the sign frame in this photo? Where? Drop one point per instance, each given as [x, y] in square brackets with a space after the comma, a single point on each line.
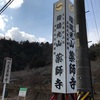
[64, 54]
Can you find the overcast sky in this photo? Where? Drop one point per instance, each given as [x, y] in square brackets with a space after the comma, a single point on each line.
[33, 19]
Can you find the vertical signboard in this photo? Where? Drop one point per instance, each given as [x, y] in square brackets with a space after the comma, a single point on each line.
[64, 60]
[58, 74]
[8, 63]
[70, 48]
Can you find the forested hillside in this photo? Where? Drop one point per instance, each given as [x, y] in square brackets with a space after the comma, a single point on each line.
[33, 55]
[25, 54]
[94, 52]
[31, 67]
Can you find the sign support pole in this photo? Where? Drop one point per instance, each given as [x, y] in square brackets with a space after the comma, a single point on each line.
[4, 88]
[67, 97]
[6, 74]
[64, 97]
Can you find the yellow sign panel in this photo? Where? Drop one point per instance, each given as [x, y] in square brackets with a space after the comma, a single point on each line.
[59, 6]
[71, 7]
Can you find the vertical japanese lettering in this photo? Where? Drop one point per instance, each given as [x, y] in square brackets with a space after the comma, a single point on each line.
[59, 25]
[71, 56]
[72, 69]
[72, 83]
[59, 70]
[71, 19]
[71, 51]
[59, 34]
[71, 44]
[58, 17]
[71, 26]
[59, 84]
[59, 58]
[59, 43]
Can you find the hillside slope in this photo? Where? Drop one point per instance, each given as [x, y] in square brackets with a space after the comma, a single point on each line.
[38, 82]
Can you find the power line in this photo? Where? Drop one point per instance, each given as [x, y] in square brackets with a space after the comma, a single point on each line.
[95, 20]
[5, 6]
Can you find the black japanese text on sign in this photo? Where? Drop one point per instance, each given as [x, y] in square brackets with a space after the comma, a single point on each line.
[8, 63]
[58, 76]
[71, 55]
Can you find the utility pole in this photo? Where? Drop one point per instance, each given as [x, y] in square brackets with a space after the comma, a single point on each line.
[84, 81]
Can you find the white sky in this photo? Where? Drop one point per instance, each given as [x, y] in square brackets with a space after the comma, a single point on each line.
[33, 20]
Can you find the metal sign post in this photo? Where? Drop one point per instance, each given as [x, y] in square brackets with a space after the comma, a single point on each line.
[7, 71]
[3, 94]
